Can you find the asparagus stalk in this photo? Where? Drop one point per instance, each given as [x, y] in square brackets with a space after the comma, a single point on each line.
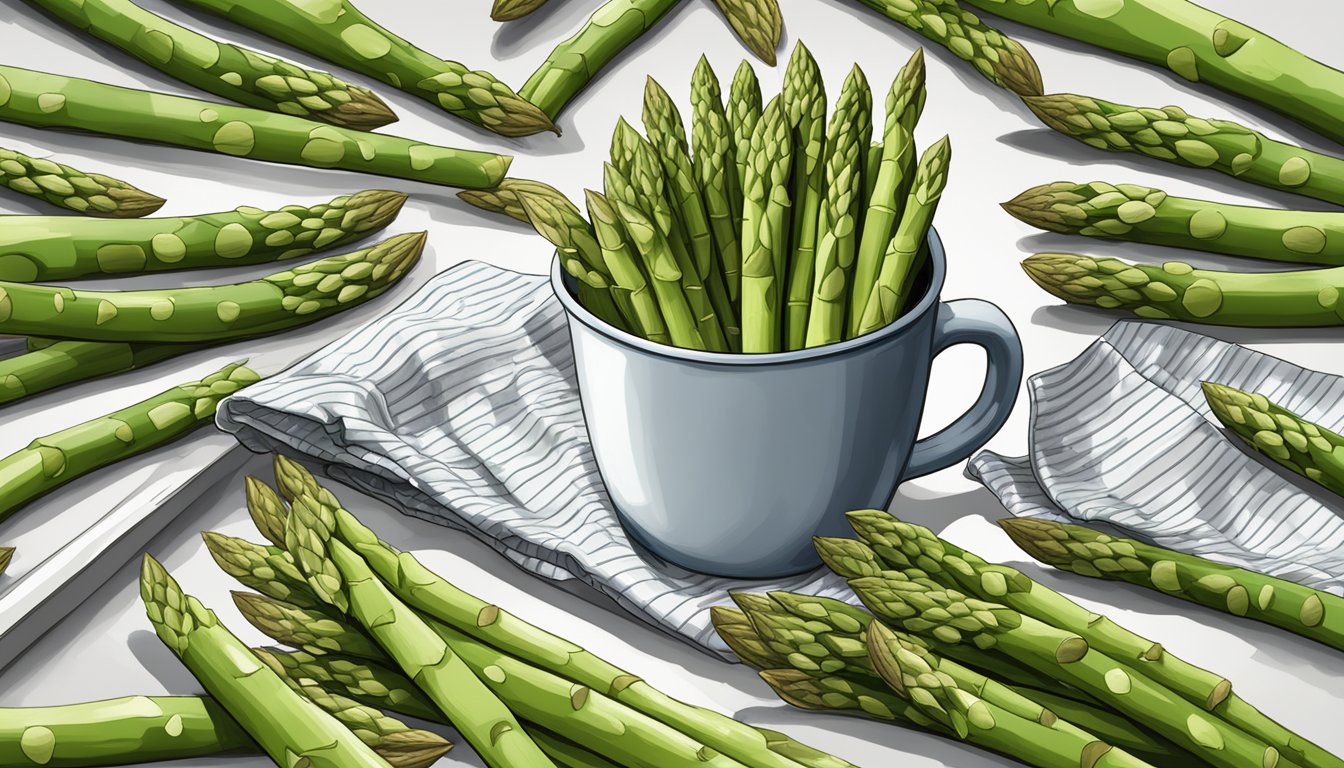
[1173, 135]
[503, 199]
[1176, 290]
[560, 222]
[949, 616]
[619, 23]
[743, 111]
[627, 274]
[1146, 215]
[765, 230]
[999, 58]
[43, 100]
[901, 545]
[236, 73]
[1291, 441]
[269, 570]
[512, 10]
[133, 729]
[1285, 604]
[1201, 46]
[715, 168]
[288, 727]
[805, 102]
[341, 34]
[91, 194]
[757, 22]
[577, 61]
[350, 586]
[905, 103]
[68, 362]
[314, 630]
[283, 300]
[843, 204]
[54, 460]
[49, 248]
[662, 121]
[665, 275]
[636, 179]
[904, 256]
[972, 718]
[487, 624]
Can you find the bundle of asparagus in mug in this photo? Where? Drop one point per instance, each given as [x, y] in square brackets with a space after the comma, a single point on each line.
[981, 653]
[769, 229]
[373, 636]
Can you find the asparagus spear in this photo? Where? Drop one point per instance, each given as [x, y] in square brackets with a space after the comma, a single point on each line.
[1173, 135]
[805, 102]
[716, 171]
[757, 22]
[972, 718]
[820, 691]
[512, 10]
[636, 179]
[1287, 605]
[905, 102]
[837, 222]
[666, 133]
[238, 74]
[1178, 291]
[68, 362]
[54, 460]
[1200, 46]
[338, 32]
[314, 630]
[1307, 449]
[765, 230]
[743, 111]
[42, 100]
[904, 256]
[156, 728]
[133, 729]
[350, 586]
[91, 194]
[577, 61]
[627, 274]
[504, 198]
[488, 624]
[999, 58]
[1146, 215]
[901, 545]
[949, 616]
[283, 300]
[287, 726]
[48, 248]
[664, 274]
[268, 569]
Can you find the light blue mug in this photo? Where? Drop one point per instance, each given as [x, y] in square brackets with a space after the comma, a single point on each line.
[730, 464]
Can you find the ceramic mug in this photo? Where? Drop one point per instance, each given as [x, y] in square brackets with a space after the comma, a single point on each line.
[729, 464]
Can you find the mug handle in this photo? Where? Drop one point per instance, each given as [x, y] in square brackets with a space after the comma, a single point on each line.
[972, 321]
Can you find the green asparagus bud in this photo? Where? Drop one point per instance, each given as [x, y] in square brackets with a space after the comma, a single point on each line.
[91, 194]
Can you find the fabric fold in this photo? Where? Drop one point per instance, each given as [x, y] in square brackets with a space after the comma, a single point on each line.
[1122, 435]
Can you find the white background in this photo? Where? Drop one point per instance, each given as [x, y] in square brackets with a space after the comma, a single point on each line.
[106, 648]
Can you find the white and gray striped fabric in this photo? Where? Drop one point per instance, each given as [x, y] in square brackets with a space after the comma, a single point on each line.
[1122, 435]
[460, 407]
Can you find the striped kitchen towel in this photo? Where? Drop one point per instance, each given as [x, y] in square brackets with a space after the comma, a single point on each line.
[1122, 435]
[460, 407]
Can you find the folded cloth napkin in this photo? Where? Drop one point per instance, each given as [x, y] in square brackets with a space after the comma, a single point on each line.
[460, 407]
[1122, 435]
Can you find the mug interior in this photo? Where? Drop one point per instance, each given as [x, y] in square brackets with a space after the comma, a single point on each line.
[928, 284]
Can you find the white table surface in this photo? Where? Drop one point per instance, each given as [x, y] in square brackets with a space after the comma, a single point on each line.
[106, 648]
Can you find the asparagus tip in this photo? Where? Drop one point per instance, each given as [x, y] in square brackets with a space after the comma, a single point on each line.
[6, 554]
[365, 111]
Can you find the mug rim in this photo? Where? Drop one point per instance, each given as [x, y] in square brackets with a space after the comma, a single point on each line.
[937, 262]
